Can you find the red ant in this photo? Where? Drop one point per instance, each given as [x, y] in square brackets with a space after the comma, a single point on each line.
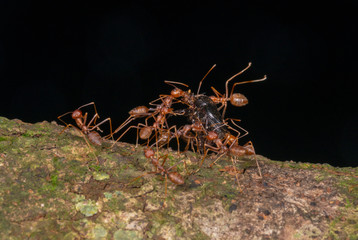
[236, 99]
[137, 112]
[184, 133]
[159, 113]
[173, 176]
[86, 128]
[230, 145]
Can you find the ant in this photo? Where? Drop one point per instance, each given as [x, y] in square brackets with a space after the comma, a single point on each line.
[230, 145]
[87, 128]
[144, 131]
[236, 99]
[159, 114]
[173, 176]
[137, 112]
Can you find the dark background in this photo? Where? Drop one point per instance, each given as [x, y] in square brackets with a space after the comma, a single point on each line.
[56, 56]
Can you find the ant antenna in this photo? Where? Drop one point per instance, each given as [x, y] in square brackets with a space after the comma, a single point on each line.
[88, 105]
[250, 81]
[204, 78]
[172, 83]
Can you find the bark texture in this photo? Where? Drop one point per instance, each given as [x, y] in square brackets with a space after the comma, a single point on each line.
[56, 186]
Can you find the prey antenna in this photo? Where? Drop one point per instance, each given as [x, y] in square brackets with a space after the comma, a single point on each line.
[204, 78]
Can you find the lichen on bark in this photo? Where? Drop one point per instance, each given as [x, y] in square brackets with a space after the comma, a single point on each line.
[56, 186]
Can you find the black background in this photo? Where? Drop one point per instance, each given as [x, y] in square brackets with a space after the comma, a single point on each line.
[56, 56]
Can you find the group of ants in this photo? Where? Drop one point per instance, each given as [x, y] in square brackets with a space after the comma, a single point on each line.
[208, 131]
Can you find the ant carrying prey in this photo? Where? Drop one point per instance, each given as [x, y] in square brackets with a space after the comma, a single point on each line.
[208, 130]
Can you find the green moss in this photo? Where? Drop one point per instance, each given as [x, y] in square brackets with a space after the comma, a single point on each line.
[126, 235]
[71, 236]
[2, 138]
[99, 176]
[87, 207]
[31, 133]
[114, 203]
[99, 232]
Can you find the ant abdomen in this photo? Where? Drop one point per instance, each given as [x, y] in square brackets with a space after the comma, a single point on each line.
[238, 100]
[95, 138]
[176, 178]
[145, 132]
[138, 111]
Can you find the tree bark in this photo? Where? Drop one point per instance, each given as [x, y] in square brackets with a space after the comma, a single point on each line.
[60, 186]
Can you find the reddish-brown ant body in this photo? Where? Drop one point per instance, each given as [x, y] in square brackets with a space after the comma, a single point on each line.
[89, 129]
[208, 131]
[236, 99]
[173, 176]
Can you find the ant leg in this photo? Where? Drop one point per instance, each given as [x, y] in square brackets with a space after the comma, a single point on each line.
[93, 120]
[83, 135]
[202, 160]
[174, 164]
[219, 95]
[161, 97]
[236, 125]
[236, 173]
[212, 164]
[166, 186]
[140, 176]
[243, 129]
[105, 120]
[128, 120]
[95, 110]
[67, 126]
[59, 117]
[176, 136]
[123, 134]
[257, 163]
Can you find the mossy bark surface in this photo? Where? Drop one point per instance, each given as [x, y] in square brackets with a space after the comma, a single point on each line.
[57, 186]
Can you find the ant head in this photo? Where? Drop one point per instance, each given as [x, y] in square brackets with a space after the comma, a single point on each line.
[177, 92]
[238, 100]
[77, 114]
